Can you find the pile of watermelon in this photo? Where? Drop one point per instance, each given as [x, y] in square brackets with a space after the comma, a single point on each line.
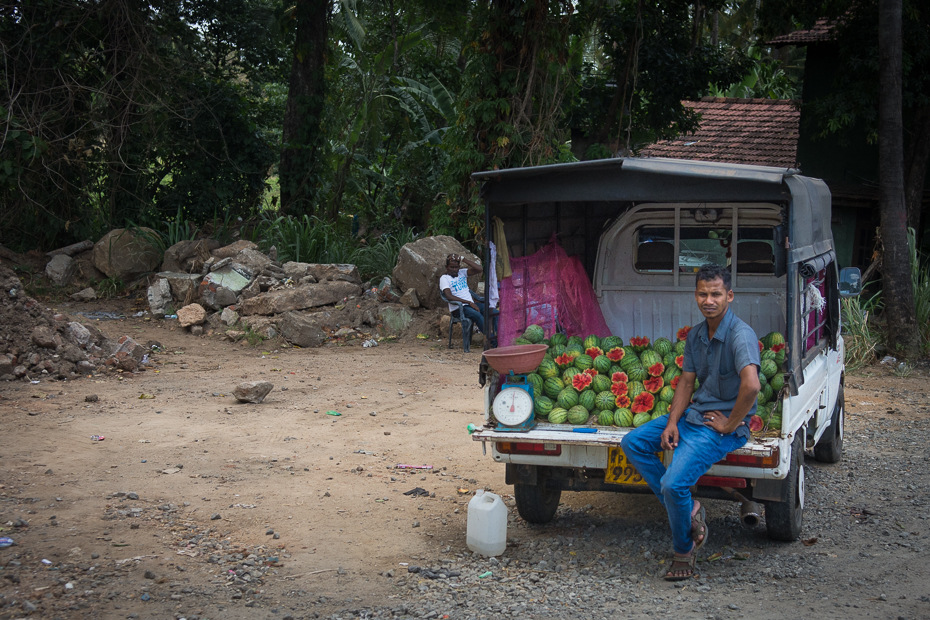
[600, 381]
[772, 379]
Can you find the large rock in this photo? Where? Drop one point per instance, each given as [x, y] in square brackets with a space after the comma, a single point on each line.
[252, 391]
[234, 248]
[46, 337]
[300, 298]
[183, 285]
[87, 294]
[323, 271]
[194, 314]
[60, 269]
[188, 256]
[124, 254]
[420, 263]
[159, 295]
[254, 260]
[396, 319]
[302, 329]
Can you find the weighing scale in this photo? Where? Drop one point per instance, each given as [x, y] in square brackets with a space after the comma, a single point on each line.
[513, 406]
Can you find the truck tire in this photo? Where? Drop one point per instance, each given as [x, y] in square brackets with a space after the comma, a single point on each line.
[535, 502]
[783, 519]
[830, 447]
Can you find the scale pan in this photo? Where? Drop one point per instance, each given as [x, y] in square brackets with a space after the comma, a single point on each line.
[520, 359]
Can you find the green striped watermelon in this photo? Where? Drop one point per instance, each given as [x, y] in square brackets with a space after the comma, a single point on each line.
[567, 398]
[650, 358]
[543, 405]
[662, 346]
[769, 368]
[641, 418]
[623, 417]
[578, 415]
[777, 382]
[558, 416]
[629, 358]
[610, 342]
[661, 408]
[657, 414]
[521, 341]
[605, 418]
[666, 394]
[669, 359]
[558, 338]
[600, 383]
[556, 350]
[534, 333]
[634, 389]
[552, 387]
[583, 362]
[670, 373]
[602, 364]
[547, 369]
[576, 340]
[587, 399]
[574, 349]
[591, 341]
[637, 373]
[568, 373]
[680, 347]
[605, 400]
[536, 381]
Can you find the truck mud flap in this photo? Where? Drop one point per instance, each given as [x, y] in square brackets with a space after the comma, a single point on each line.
[770, 490]
[520, 473]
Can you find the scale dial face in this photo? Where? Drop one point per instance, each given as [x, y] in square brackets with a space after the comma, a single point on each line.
[513, 406]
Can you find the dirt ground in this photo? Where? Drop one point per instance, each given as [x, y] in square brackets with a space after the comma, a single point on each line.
[315, 500]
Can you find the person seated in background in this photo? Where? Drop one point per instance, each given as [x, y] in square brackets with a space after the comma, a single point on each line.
[454, 285]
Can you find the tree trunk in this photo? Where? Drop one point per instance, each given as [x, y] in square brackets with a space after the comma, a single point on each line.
[915, 166]
[901, 322]
[303, 149]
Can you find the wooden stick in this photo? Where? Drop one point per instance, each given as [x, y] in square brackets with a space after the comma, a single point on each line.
[325, 570]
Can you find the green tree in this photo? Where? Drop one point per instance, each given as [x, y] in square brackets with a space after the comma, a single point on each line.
[305, 145]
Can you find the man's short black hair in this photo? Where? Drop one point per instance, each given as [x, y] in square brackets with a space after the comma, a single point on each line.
[710, 272]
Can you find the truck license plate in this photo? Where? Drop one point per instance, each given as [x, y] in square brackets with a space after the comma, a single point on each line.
[620, 471]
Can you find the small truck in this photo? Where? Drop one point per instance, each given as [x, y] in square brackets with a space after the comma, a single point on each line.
[641, 227]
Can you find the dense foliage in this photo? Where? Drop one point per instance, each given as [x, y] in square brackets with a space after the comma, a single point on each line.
[374, 111]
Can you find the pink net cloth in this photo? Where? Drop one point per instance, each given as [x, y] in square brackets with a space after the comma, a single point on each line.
[549, 288]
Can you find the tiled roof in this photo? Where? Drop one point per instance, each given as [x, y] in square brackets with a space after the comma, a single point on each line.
[821, 31]
[762, 132]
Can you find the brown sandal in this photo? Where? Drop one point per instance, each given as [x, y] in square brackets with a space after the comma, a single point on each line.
[688, 559]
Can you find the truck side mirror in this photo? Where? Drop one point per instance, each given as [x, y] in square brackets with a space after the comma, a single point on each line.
[780, 254]
[850, 282]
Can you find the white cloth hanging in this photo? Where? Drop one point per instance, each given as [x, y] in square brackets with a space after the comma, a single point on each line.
[494, 295]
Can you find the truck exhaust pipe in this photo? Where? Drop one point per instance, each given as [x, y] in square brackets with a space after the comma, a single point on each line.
[750, 513]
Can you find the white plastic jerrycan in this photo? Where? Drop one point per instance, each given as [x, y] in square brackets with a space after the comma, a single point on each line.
[487, 524]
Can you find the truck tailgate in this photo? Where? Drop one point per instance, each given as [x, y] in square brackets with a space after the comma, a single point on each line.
[607, 437]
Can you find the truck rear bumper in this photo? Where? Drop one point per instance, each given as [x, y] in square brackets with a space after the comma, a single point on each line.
[589, 451]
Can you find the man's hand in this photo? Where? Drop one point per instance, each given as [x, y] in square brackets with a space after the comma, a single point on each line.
[720, 422]
[669, 437]
[473, 305]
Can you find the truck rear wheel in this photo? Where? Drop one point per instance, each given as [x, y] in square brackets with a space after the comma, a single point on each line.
[830, 447]
[783, 519]
[535, 502]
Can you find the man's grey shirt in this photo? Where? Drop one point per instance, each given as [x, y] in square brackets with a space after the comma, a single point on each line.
[717, 363]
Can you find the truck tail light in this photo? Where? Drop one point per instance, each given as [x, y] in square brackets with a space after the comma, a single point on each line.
[749, 460]
[540, 449]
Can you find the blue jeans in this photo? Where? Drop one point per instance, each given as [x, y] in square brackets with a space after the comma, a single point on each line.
[476, 316]
[699, 447]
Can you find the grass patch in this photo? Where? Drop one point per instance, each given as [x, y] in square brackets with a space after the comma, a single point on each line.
[860, 335]
[110, 288]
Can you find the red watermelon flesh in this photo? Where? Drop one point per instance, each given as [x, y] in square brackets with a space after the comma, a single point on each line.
[755, 424]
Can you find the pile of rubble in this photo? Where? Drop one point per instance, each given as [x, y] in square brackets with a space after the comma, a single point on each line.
[34, 343]
[238, 289]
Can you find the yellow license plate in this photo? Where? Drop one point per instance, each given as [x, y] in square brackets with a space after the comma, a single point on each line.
[619, 469]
